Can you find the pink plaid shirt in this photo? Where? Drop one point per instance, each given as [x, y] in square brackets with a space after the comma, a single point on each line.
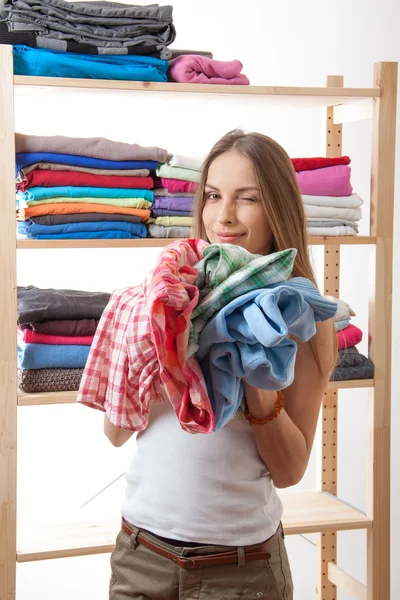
[139, 353]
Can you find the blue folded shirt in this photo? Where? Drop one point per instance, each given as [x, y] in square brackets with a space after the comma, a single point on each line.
[52, 356]
[248, 339]
[31, 229]
[23, 159]
[55, 63]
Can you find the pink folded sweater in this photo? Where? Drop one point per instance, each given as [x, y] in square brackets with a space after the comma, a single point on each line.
[200, 69]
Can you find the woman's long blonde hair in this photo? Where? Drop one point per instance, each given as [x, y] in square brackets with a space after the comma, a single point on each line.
[280, 193]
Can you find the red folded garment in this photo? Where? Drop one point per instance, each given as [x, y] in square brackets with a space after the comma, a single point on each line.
[348, 337]
[318, 162]
[33, 337]
[45, 178]
[176, 185]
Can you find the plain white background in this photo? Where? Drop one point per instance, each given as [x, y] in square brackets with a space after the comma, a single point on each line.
[63, 457]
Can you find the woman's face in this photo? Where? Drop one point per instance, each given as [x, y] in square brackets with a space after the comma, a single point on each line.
[233, 211]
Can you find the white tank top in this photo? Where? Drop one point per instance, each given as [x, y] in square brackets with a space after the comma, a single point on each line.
[200, 488]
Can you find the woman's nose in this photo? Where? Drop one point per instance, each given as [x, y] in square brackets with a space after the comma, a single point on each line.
[226, 212]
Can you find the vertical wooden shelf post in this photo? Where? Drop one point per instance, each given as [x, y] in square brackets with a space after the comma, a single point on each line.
[326, 544]
[380, 330]
[8, 320]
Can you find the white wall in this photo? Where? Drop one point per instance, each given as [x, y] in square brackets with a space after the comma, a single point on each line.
[63, 457]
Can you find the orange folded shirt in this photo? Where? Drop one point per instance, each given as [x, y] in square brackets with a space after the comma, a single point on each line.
[79, 207]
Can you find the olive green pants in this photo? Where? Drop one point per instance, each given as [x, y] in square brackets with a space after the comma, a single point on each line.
[140, 573]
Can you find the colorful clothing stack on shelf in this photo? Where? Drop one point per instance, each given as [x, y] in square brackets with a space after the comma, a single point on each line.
[208, 316]
[55, 331]
[172, 210]
[331, 207]
[84, 188]
[351, 364]
[95, 40]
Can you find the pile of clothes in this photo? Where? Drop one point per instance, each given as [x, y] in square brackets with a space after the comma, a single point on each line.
[205, 318]
[175, 187]
[77, 188]
[331, 207]
[97, 40]
[55, 332]
[351, 364]
[105, 40]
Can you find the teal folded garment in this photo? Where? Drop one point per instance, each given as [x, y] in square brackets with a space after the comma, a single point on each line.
[54, 63]
[51, 356]
[71, 191]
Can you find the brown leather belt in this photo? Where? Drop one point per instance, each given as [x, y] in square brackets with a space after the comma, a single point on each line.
[240, 556]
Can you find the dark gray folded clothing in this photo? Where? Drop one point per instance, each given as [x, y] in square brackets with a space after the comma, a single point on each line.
[175, 52]
[165, 212]
[34, 381]
[37, 304]
[349, 357]
[365, 370]
[83, 218]
[91, 22]
[34, 40]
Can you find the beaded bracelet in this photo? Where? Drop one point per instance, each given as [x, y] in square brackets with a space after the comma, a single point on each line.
[278, 407]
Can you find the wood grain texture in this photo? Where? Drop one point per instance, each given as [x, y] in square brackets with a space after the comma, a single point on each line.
[8, 320]
[380, 329]
[326, 542]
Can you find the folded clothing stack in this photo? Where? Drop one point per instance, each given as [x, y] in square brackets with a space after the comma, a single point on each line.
[55, 331]
[76, 188]
[98, 40]
[172, 210]
[330, 206]
[351, 364]
[204, 319]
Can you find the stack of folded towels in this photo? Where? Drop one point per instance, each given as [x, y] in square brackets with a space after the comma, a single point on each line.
[330, 206]
[172, 210]
[55, 331]
[98, 40]
[351, 364]
[208, 316]
[76, 188]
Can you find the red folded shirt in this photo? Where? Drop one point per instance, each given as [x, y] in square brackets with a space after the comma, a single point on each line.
[348, 337]
[47, 178]
[33, 337]
[319, 162]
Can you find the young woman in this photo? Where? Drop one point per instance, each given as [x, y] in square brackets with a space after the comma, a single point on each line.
[210, 500]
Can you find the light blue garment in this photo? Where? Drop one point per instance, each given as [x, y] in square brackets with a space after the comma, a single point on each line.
[31, 229]
[54, 63]
[339, 325]
[52, 356]
[71, 191]
[248, 339]
[22, 159]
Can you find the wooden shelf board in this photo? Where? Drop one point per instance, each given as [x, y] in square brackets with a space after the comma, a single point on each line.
[309, 96]
[304, 512]
[158, 243]
[70, 397]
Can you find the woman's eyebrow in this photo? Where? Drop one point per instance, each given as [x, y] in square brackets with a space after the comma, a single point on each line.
[242, 189]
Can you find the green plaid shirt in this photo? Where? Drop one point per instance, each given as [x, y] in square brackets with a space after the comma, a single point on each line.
[228, 271]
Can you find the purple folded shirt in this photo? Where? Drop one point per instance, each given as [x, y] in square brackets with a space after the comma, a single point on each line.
[171, 203]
